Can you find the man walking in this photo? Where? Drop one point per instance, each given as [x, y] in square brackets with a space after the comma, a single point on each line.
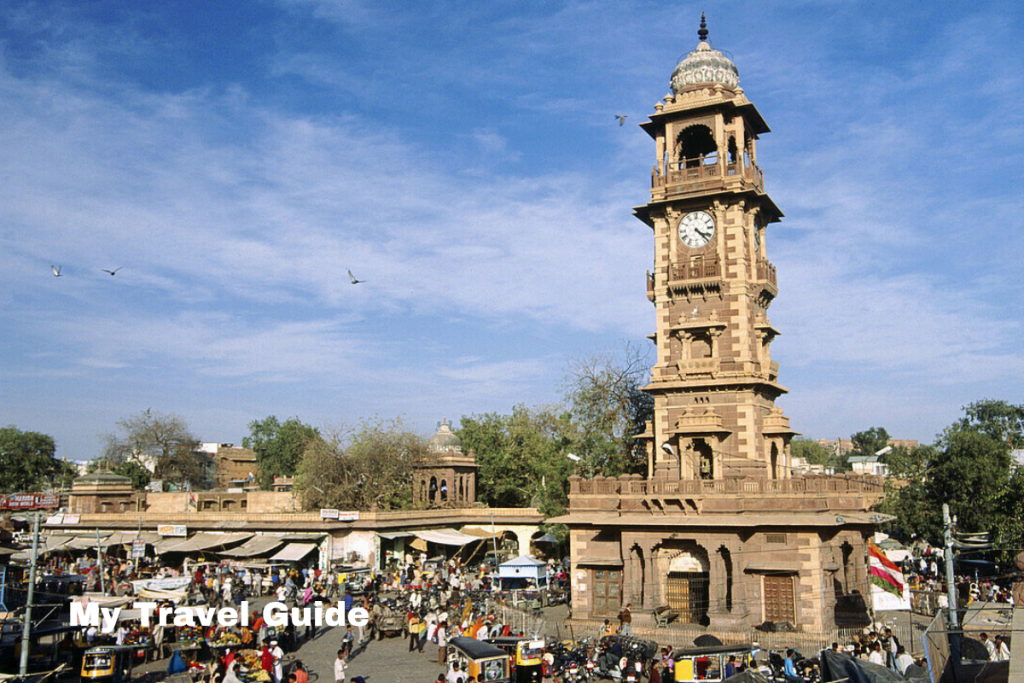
[626, 620]
[339, 667]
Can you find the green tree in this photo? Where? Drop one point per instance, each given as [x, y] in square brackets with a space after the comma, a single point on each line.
[521, 458]
[28, 462]
[908, 496]
[869, 441]
[608, 409]
[1009, 531]
[366, 468]
[163, 442]
[970, 471]
[998, 419]
[814, 453]
[278, 446]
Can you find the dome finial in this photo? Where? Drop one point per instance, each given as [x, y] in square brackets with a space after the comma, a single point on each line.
[703, 32]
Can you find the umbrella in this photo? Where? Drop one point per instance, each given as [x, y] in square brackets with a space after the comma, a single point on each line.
[546, 538]
[706, 640]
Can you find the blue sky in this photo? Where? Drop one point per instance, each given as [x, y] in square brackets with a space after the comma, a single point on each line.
[235, 158]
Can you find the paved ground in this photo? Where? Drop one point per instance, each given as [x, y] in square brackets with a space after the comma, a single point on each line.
[380, 661]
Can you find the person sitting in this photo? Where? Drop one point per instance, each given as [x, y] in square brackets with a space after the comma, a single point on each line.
[789, 668]
[730, 667]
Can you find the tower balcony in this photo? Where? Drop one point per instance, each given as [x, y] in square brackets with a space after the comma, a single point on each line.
[705, 269]
[702, 175]
[766, 272]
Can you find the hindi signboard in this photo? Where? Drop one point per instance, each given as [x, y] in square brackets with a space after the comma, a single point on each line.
[172, 530]
[328, 513]
[339, 515]
[138, 549]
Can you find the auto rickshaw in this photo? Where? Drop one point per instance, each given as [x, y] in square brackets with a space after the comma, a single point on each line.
[708, 663]
[525, 656]
[489, 664]
[108, 664]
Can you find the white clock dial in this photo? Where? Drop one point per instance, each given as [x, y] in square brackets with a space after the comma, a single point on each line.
[696, 229]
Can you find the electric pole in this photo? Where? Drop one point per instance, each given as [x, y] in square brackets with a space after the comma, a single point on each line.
[953, 622]
[26, 628]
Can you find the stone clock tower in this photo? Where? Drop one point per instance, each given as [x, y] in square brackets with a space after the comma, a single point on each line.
[714, 382]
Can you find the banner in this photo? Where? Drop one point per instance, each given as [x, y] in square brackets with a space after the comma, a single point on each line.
[172, 530]
[340, 515]
[30, 501]
[889, 589]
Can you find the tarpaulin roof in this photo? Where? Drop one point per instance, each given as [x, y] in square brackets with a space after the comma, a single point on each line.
[293, 552]
[391, 535]
[446, 537]
[836, 666]
[257, 545]
[204, 541]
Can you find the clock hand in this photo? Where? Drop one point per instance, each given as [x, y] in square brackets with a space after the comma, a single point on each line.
[703, 234]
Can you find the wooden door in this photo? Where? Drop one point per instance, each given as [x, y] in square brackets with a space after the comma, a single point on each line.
[780, 599]
[607, 588]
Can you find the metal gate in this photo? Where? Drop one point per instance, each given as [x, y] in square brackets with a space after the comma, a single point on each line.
[687, 593]
[779, 599]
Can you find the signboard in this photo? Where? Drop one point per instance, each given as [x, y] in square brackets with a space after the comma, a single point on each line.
[30, 501]
[138, 550]
[71, 519]
[340, 515]
[55, 519]
[172, 530]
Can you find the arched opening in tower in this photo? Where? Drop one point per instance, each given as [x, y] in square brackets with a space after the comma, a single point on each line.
[697, 146]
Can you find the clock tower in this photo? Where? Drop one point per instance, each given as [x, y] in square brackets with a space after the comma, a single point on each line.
[714, 383]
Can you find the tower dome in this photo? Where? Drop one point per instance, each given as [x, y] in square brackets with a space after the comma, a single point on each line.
[444, 441]
[704, 65]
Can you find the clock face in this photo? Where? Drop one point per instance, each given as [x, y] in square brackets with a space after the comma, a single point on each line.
[696, 229]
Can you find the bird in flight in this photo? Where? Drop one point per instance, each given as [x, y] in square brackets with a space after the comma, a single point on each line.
[621, 118]
[112, 272]
[56, 271]
[353, 278]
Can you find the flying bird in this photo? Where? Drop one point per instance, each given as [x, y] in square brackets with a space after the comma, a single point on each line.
[56, 271]
[621, 118]
[353, 278]
[112, 272]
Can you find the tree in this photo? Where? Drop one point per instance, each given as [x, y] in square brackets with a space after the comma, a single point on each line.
[970, 471]
[608, 409]
[522, 458]
[908, 497]
[870, 441]
[367, 468]
[278, 446]
[28, 462]
[814, 453]
[998, 419]
[162, 442]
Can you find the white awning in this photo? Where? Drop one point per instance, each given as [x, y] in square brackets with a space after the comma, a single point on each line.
[446, 537]
[203, 541]
[257, 545]
[293, 552]
[392, 535]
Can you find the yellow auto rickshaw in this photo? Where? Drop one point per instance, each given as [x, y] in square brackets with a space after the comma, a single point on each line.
[111, 664]
[489, 664]
[526, 656]
[711, 663]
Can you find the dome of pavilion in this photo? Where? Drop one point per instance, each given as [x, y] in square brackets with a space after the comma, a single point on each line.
[704, 65]
[444, 441]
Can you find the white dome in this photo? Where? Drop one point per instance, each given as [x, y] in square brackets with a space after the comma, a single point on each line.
[704, 65]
